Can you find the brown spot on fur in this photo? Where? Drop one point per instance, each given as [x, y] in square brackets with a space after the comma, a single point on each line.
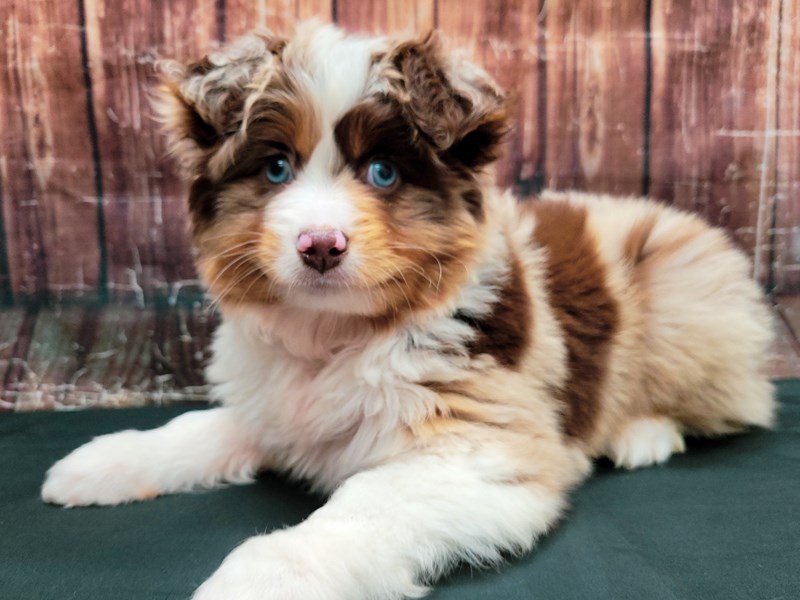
[456, 107]
[583, 305]
[504, 333]
[376, 128]
[202, 203]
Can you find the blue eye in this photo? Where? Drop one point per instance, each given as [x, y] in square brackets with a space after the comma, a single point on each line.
[381, 174]
[279, 169]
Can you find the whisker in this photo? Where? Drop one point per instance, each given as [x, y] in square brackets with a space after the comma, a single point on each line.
[236, 282]
[242, 258]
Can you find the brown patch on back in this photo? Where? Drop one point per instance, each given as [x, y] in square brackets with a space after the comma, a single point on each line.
[583, 305]
[504, 333]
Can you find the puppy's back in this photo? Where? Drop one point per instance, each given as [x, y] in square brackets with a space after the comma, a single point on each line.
[659, 315]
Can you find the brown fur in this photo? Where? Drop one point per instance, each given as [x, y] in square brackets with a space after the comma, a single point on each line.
[583, 305]
[505, 332]
[231, 256]
[462, 113]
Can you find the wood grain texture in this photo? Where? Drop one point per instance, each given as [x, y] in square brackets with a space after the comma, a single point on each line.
[595, 95]
[72, 357]
[713, 101]
[387, 16]
[147, 235]
[279, 16]
[46, 164]
[787, 137]
[784, 357]
[505, 39]
[723, 119]
[11, 319]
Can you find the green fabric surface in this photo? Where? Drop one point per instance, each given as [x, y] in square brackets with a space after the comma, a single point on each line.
[722, 521]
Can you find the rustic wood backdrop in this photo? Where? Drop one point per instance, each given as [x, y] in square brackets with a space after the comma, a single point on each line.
[694, 102]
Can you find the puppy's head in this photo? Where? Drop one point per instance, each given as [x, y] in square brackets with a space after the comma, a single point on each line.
[333, 172]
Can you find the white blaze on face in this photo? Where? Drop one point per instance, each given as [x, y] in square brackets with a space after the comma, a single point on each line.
[333, 72]
[309, 204]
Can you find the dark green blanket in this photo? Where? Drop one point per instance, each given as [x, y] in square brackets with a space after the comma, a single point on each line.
[722, 521]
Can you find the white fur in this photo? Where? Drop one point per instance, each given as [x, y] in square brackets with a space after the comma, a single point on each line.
[198, 449]
[646, 441]
[388, 529]
[309, 389]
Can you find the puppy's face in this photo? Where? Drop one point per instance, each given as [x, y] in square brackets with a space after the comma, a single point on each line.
[335, 173]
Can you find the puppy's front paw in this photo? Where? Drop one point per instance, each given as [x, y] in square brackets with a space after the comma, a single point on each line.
[266, 568]
[646, 441]
[107, 470]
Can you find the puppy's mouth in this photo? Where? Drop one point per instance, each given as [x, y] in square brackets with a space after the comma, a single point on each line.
[325, 281]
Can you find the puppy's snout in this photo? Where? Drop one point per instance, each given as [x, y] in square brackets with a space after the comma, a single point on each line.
[322, 249]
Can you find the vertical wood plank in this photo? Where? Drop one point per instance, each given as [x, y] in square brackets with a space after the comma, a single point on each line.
[713, 101]
[317, 9]
[386, 16]
[147, 237]
[6, 294]
[504, 38]
[113, 356]
[787, 232]
[11, 320]
[596, 65]
[243, 16]
[46, 163]
[279, 16]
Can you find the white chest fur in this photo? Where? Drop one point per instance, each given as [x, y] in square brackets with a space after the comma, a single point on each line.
[321, 413]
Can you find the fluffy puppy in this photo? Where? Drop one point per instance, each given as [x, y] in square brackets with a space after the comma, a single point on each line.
[443, 361]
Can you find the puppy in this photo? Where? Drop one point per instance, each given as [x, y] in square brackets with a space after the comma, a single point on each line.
[443, 361]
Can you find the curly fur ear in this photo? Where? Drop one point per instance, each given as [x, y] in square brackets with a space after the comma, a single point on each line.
[453, 102]
[198, 105]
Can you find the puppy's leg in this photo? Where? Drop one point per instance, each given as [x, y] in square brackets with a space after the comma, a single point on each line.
[646, 441]
[197, 449]
[389, 531]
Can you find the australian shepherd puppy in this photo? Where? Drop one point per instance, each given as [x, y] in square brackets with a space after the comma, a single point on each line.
[444, 361]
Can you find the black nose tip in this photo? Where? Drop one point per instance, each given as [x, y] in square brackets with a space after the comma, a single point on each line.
[322, 250]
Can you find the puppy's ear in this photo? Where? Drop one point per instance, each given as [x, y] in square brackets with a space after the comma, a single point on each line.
[201, 103]
[455, 104]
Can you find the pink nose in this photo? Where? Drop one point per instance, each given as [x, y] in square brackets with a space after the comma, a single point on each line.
[322, 249]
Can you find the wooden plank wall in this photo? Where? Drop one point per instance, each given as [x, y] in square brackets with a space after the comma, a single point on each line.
[696, 102]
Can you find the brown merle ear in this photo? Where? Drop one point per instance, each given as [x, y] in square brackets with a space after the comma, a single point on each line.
[199, 104]
[453, 102]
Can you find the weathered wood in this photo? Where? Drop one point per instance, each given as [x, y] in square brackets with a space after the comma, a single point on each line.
[279, 16]
[11, 320]
[783, 361]
[723, 120]
[317, 9]
[506, 40]
[595, 95]
[713, 100]
[71, 357]
[147, 239]
[180, 348]
[386, 16]
[46, 165]
[58, 343]
[787, 233]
